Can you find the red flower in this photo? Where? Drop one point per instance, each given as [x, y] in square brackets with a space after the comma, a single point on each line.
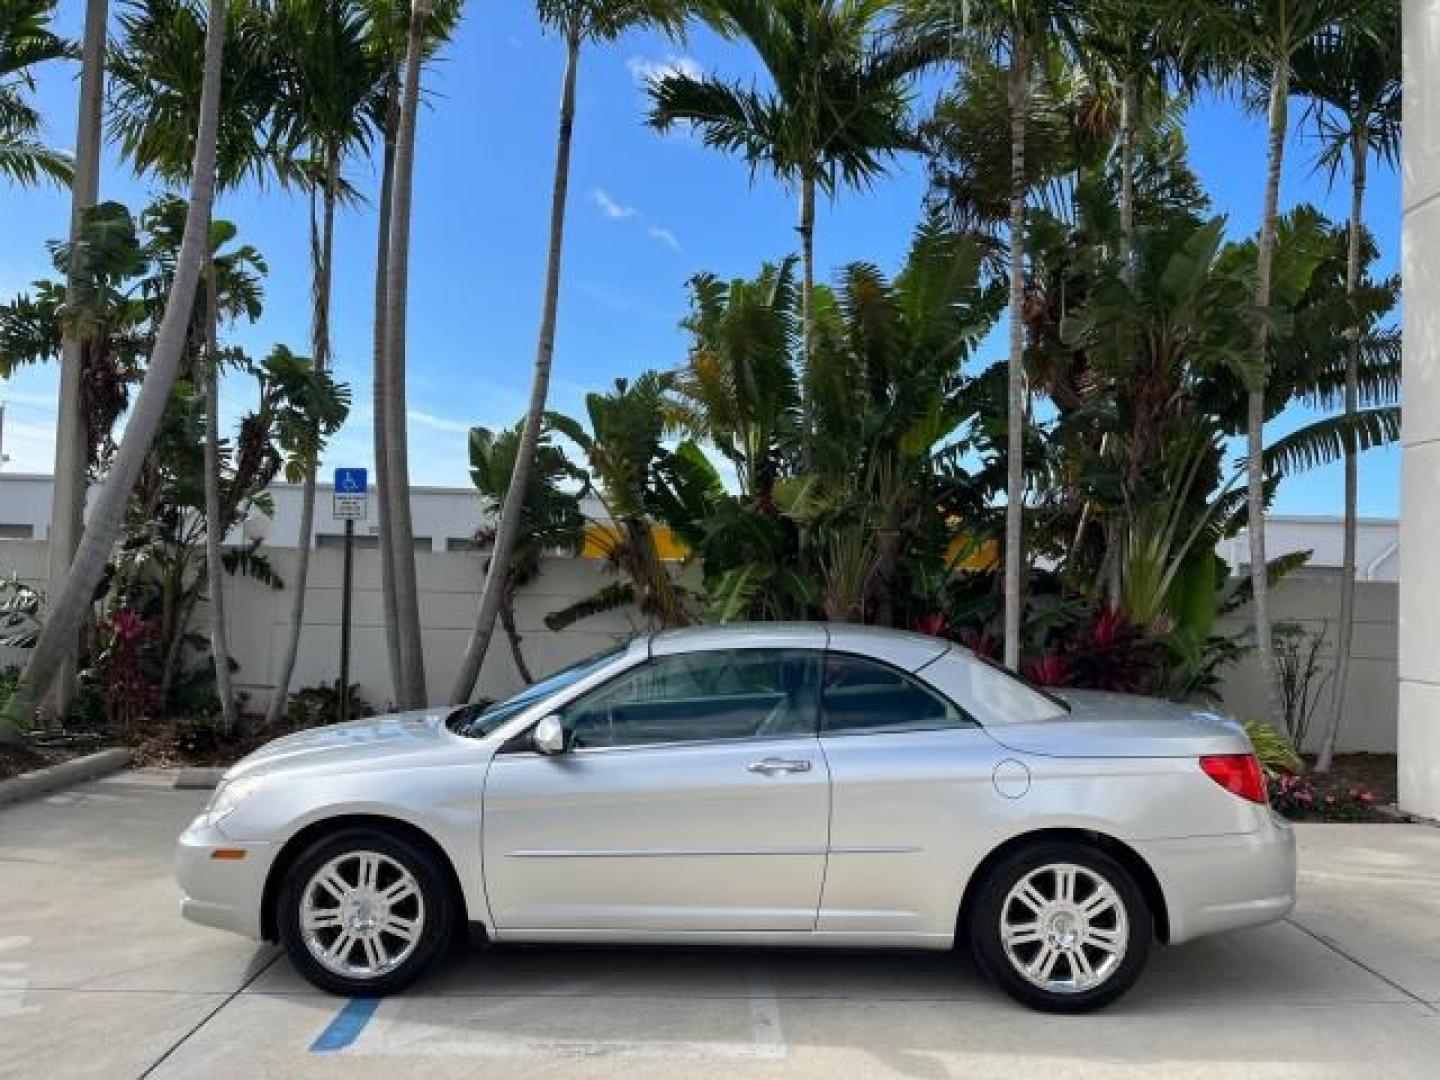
[1049, 670]
[1108, 628]
[935, 624]
[981, 644]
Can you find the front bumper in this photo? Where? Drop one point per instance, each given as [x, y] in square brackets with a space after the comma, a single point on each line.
[1216, 883]
[223, 893]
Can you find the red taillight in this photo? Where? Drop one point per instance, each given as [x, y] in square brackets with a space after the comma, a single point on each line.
[1237, 773]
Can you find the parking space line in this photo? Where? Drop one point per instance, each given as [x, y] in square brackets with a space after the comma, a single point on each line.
[211, 1015]
[345, 1027]
[1335, 948]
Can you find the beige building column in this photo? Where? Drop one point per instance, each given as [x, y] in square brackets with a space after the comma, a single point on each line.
[1418, 732]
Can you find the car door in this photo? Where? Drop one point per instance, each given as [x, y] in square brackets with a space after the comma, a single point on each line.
[914, 801]
[693, 797]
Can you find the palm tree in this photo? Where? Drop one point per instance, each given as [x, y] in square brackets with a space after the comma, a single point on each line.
[577, 22]
[838, 107]
[1256, 42]
[1351, 74]
[386, 40]
[552, 518]
[1121, 39]
[26, 41]
[326, 111]
[67, 505]
[155, 95]
[107, 515]
[1026, 34]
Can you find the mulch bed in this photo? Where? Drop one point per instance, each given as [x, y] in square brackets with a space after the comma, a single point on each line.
[1358, 788]
[1370, 772]
[167, 745]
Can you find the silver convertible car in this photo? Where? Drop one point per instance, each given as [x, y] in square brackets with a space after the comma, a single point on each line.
[805, 784]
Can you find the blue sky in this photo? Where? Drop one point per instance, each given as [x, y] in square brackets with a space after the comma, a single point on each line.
[646, 212]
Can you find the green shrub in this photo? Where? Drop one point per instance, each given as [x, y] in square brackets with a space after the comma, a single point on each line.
[1272, 746]
[318, 705]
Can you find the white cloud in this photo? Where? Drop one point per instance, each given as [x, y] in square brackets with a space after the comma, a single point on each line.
[609, 207]
[664, 236]
[645, 71]
[436, 423]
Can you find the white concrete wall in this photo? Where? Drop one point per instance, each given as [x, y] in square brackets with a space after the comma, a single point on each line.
[449, 583]
[1418, 725]
[258, 619]
[1313, 601]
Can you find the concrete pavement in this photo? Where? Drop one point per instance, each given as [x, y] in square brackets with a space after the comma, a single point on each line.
[100, 978]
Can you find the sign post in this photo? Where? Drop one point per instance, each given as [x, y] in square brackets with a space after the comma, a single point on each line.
[351, 505]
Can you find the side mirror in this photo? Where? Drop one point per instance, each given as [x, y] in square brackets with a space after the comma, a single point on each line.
[549, 735]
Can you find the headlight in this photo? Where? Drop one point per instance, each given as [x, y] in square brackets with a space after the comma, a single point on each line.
[229, 795]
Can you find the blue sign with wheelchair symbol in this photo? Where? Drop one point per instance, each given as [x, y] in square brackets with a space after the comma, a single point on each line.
[351, 482]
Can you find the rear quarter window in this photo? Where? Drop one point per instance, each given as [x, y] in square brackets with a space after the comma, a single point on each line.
[990, 693]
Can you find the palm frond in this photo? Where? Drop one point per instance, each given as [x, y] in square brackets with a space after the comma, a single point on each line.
[1324, 440]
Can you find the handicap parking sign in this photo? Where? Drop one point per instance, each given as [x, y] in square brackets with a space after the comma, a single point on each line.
[351, 490]
[351, 481]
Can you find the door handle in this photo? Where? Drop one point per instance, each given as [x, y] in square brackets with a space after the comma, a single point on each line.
[770, 766]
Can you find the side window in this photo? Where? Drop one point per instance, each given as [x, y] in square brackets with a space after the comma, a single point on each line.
[696, 697]
[863, 697]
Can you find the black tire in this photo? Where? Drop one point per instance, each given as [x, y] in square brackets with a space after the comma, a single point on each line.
[435, 908]
[1004, 966]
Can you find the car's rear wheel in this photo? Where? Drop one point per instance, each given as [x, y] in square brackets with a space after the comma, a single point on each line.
[364, 913]
[1061, 927]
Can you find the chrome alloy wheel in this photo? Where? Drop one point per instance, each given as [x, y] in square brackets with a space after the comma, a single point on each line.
[1064, 928]
[361, 914]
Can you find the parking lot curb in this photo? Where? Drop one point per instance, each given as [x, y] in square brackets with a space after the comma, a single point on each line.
[75, 771]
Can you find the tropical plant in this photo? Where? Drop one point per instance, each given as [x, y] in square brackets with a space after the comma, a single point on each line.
[326, 110]
[20, 608]
[70, 476]
[156, 91]
[1254, 43]
[67, 610]
[386, 40]
[551, 523]
[1026, 35]
[638, 482]
[26, 42]
[1351, 74]
[1273, 747]
[315, 706]
[837, 108]
[1302, 676]
[578, 22]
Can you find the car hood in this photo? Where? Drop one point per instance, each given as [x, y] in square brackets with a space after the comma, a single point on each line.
[398, 739]
[1101, 724]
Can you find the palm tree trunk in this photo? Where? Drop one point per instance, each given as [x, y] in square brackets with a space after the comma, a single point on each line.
[512, 634]
[214, 519]
[412, 692]
[1019, 93]
[67, 609]
[381, 405]
[67, 510]
[509, 527]
[806, 229]
[1345, 632]
[322, 238]
[1255, 404]
[1127, 178]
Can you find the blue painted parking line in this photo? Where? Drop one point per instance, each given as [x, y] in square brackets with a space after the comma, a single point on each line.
[347, 1025]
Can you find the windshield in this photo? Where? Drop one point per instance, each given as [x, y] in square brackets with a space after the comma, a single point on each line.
[479, 719]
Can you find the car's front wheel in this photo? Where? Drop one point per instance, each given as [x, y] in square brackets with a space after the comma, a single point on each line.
[1061, 927]
[364, 913]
